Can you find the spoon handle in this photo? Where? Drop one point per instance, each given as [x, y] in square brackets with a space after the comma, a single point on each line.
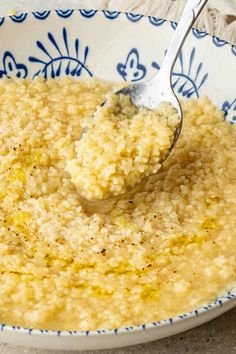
[191, 11]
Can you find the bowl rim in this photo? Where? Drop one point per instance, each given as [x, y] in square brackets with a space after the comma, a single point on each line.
[219, 301]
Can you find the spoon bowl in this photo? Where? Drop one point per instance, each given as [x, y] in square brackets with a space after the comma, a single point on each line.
[150, 95]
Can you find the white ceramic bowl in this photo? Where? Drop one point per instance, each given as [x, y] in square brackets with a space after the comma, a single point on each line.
[116, 46]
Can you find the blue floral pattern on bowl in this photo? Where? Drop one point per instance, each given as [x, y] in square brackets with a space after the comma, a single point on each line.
[58, 57]
[186, 81]
[64, 62]
[132, 70]
[12, 69]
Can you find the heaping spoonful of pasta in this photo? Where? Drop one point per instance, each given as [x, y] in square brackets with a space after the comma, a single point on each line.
[134, 130]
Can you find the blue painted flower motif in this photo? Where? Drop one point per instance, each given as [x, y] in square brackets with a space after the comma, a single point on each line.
[12, 69]
[132, 70]
[60, 60]
[187, 81]
[229, 110]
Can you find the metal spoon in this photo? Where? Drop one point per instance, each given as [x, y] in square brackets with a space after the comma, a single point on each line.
[151, 93]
